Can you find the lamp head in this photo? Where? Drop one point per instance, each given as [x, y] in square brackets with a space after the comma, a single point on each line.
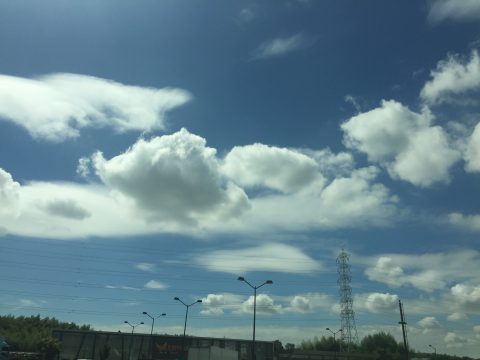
[327, 329]
[163, 314]
[269, 282]
[142, 323]
[144, 313]
[241, 278]
[126, 322]
[176, 298]
[199, 301]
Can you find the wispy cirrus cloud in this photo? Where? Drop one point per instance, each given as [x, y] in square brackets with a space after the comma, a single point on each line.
[281, 46]
[456, 10]
[57, 107]
[122, 287]
[148, 267]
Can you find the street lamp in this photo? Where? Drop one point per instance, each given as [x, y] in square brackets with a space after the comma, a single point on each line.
[334, 339]
[153, 319]
[133, 326]
[151, 331]
[131, 337]
[434, 349]
[241, 278]
[186, 315]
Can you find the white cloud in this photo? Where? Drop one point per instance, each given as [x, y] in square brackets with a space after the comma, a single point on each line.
[155, 285]
[472, 152]
[428, 324]
[175, 184]
[216, 304]
[247, 15]
[280, 46]
[213, 304]
[427, 160]
[458, 10]
[468, 222]
[453, 76]
[467, 296]
[403, 142]
[457, 316]
[454, 340]
[352, 202]
[476, 330]
[274, 257]
[66, 208]
[276, 168]
[9, 194]
[173, 177]
[122, 287]
[300, 304]
[83, 168]
[386, 271]
[354, 102]
[56, 107]
[308, 302]
[27, 303]
[426, 272]
[147, 267]
[332, 165]
[378, 302]
[265, 305]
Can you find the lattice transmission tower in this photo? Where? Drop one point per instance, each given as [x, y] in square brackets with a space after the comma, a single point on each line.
[349, 329]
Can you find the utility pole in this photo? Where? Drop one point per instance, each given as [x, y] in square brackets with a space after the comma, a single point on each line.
[404, 329]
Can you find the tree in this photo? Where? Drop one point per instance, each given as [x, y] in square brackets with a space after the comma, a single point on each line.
[289, 347]
[381, 343]
[322, 344]
[49, 347]
[24, 333]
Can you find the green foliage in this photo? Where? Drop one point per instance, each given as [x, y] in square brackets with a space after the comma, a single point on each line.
[26, 333]
[323, 344]
[49, 347]
[381, 343]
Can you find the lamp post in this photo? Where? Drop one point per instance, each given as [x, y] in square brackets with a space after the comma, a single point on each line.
[434, 350]
[151, 331]
[133, 326]
[153, 319]
[131, 336]
[334, 339]
[241, 278]
[186, 316]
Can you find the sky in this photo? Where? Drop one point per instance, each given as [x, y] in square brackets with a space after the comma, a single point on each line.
[160, 149]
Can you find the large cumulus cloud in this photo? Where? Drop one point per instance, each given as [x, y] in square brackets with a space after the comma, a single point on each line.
[172, 177]
[9, 194]
[276, 168]
[404, 142]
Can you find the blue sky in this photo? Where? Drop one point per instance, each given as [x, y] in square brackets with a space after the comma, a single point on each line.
[154, 149]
